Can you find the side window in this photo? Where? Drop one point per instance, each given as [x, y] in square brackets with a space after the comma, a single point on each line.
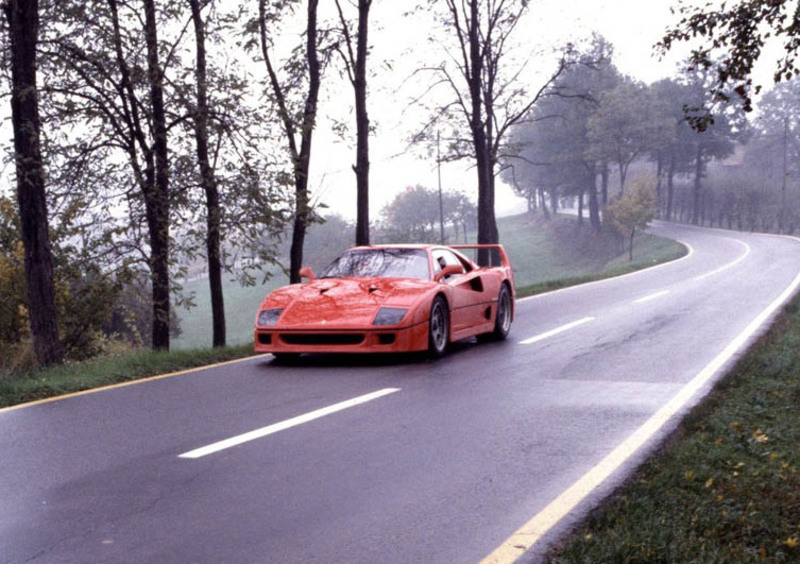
[438, 262]
[442, 258]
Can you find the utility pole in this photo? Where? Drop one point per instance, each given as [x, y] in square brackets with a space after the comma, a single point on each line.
[441, 203]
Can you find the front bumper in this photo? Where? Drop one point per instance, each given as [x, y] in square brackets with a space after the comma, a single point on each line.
[368, 340]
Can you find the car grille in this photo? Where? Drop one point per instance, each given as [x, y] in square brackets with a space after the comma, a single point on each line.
[322, 338]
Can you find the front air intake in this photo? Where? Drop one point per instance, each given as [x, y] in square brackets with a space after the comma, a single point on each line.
[386, 338]
[322, 339]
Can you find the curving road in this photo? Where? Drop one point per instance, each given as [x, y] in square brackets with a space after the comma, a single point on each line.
[486, 453]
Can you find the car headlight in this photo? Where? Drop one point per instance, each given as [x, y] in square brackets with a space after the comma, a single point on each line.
[389, 316]
[268, 317]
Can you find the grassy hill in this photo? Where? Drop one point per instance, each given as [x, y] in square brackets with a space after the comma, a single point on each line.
[557, 252]
[544, 254]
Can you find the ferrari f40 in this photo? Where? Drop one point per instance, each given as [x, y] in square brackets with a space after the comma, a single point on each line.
[390, 298]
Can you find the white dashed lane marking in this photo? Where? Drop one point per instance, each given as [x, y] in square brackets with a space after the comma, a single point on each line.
[287, 424]
[556, 331]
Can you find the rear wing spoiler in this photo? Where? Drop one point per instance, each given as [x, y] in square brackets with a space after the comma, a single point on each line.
[497, 257]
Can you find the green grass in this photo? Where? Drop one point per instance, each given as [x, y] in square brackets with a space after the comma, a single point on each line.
[650, 251]
[241, 303]
[725, 488]
[548, 255]
[79, 376]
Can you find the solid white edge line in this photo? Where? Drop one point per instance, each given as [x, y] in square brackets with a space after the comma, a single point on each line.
[690, 252]
[651, 297]
[531, 532]
[556, 331]
[727, 266]
[283, 425]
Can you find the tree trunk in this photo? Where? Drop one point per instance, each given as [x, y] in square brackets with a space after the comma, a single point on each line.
[543, 204]
[487, 228]
[23, 26]
[698, 171]
[580, 208]
[209, 183]
[604, 173]
[303, 163]
[157, 199]
[630, 244]
[670, 186]
[659, 174]
[362, 126]
[554, 200]
[594, 205]
[301, 159]
[531, 200]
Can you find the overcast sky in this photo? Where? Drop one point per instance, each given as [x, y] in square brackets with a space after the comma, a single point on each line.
[632, 26]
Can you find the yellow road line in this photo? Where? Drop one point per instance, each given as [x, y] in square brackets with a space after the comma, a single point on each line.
[128, 383]
[531, 532]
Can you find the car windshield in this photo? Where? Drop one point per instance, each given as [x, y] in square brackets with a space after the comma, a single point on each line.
[384, 263]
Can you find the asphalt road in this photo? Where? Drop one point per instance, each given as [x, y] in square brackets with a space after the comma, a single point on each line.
[444, 464]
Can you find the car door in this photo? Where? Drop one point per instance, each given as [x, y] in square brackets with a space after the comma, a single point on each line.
[469, 295]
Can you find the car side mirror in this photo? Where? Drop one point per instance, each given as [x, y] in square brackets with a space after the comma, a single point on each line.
[449, 270]
[306, 272]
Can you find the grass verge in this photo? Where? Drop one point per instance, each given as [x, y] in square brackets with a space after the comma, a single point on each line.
[651, 251]
[95, 373]
[725, 487]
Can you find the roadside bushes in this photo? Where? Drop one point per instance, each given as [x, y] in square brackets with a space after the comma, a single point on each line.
[97, 311]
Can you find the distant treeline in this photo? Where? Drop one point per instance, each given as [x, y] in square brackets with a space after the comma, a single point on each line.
[595, 129]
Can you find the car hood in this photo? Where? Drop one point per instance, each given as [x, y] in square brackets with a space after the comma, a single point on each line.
[344, 302]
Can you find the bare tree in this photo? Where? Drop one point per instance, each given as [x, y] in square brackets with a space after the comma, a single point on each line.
[208, 181]
[300, 156]
[486, 91]
[23, 29]
[356, 65]
[157, 196]
[111, 77]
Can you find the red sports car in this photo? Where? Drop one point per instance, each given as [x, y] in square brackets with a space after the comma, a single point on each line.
[390, 298]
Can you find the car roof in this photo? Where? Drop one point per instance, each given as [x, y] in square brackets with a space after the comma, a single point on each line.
[398, 246]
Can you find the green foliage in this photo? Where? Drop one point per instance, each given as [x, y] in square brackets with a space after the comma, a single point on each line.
[85, 295]
[98, 143]
[413, 216]
[86, 299]
[551, 150]
[736, 32]
[677, 142]
[632, 211]
[13, 313]
[627, 122]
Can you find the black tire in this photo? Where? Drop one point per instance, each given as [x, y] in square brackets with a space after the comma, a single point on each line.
[502, 320]
[438, 328]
